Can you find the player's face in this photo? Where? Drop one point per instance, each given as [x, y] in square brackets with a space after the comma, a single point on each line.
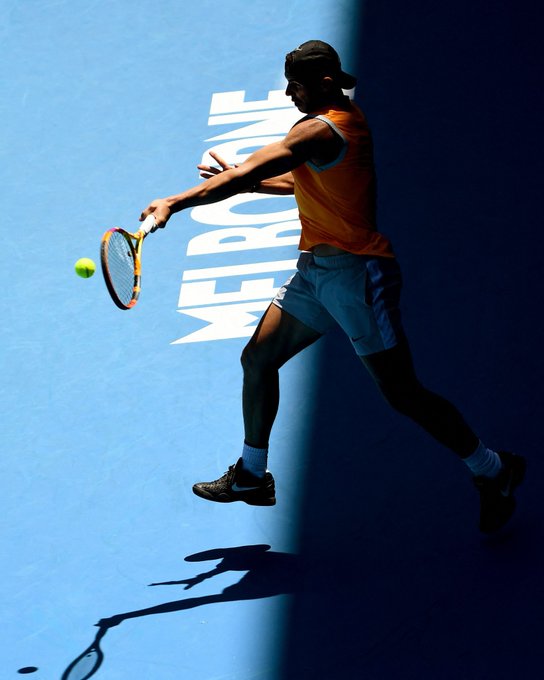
[305, 97]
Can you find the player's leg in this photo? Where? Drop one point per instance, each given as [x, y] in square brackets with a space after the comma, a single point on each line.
[394, 374]
[369, 290]
[496, 475]
[295, 319]
[278, 337]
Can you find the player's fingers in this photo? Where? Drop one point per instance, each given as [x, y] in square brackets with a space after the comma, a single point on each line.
[156, 207]
[209, 169]
[220, 160]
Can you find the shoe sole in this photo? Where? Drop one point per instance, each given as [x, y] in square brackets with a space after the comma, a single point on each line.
[225, 498]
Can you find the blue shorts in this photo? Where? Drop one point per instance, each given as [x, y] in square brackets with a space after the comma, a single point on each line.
[359, 293]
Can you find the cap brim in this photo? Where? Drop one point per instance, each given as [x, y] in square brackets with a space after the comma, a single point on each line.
[347, 82]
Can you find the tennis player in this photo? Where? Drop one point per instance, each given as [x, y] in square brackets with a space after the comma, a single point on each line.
[347, 275]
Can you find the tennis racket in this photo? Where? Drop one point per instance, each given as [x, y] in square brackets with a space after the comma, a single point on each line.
[88, 662]
[121, 259]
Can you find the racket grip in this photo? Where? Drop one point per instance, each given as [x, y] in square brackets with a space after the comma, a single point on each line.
[147, 225]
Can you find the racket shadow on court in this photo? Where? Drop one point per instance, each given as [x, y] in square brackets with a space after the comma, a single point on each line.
[268, 573]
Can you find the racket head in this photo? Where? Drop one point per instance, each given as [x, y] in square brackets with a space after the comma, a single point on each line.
[85, 666]
[120, 261]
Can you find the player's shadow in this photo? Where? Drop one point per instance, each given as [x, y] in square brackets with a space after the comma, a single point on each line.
[268, 573]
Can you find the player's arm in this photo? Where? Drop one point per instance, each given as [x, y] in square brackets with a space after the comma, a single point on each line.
[309, 139]
[283, 185]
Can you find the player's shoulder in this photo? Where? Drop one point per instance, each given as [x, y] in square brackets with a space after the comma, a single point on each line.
[312, 138]
[311, 126]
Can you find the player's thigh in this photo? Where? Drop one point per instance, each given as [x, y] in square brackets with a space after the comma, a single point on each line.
[277, 338]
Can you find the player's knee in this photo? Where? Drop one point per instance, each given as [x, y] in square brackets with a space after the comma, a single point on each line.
[250, 359]
[256, 360]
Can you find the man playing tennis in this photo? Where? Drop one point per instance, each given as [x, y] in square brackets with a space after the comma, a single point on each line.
[347, 274]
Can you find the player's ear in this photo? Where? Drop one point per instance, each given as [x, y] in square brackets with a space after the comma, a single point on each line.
[327, 84]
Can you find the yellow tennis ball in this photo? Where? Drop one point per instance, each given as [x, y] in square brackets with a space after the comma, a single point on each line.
[85, 267]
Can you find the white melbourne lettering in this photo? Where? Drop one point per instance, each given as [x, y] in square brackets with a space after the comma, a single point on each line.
[226, 321]
[239, 149]
[245, 238]
[272, 122]
[202, 290]
[233, 313]
[223, 213]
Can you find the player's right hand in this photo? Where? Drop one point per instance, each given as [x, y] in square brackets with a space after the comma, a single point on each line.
[160, 209]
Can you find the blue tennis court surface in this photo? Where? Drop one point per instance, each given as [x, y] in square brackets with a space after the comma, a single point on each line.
[371, 563]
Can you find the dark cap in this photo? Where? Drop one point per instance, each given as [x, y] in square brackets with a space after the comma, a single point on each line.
[314, 58]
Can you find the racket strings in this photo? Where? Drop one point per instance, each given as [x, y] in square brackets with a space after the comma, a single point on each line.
[121, 266]
[84, 667]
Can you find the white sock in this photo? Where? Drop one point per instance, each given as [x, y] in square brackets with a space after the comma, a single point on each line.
[484, 462]
[254, 460]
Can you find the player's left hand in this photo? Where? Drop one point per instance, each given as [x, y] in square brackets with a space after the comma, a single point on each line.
[207, 171]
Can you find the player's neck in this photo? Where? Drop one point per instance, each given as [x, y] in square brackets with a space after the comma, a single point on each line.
[340, 101]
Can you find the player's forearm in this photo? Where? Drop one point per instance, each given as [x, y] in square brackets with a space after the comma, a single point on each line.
[215, 189]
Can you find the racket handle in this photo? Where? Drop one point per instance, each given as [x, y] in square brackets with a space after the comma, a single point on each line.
[147, 225]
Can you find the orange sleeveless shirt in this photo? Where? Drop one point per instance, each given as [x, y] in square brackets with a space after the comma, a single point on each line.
[337, 201]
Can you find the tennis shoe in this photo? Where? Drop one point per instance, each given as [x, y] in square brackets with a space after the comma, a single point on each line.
[238, 484]
[497, 502]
